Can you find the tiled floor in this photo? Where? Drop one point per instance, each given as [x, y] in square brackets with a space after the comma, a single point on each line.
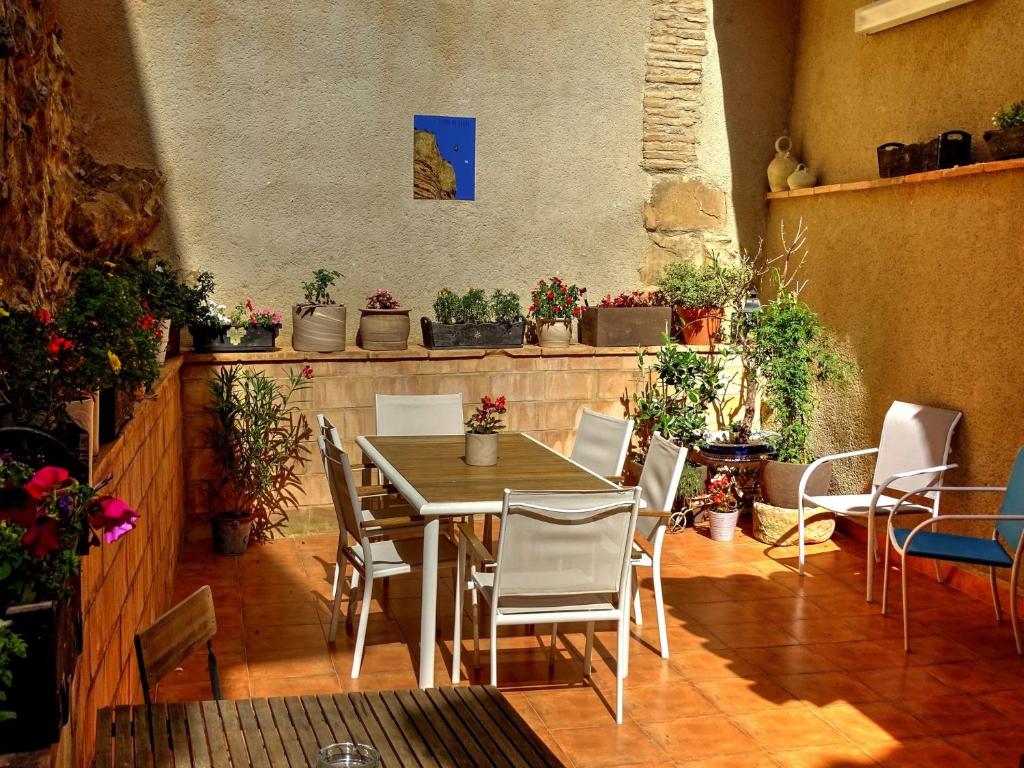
[766, 669]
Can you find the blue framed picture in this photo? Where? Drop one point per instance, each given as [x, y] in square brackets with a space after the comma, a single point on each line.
[444, 157]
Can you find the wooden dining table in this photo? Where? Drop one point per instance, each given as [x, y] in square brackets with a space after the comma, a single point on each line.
[461, 727]
[431, 473]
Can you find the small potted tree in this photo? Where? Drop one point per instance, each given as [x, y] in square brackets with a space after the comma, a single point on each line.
[383, 323]
[472, 321]
[259, 440]
[699, 293]
[318, 325]
[482, 432]
[554, 305]
[1007, 141]
[634, 319]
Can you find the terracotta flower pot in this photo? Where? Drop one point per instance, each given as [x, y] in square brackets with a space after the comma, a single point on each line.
[701, 325]
[318, 328]
[554, 333]
[381, 329]
[481, 450]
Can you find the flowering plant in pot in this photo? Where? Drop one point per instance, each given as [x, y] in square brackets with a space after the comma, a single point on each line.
[1007, 141]
[383, 323]
[474, 321]
[48, 522]
[553, 305]
[163, 296]
[259, 441]
[318, 324]
[700, 293]
[245, 328]
[634, 319]
[722, 507]
[482, 432]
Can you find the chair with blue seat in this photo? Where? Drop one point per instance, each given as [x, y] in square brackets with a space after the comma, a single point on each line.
[1002, 550]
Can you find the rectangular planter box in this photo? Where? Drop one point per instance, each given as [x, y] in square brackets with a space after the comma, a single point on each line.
[625, 326]
[472, 335]
[255, 339]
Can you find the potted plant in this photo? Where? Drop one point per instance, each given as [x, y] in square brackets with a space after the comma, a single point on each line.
[48, 521]
[1007, 141]
[383, 324]
[482, 432]
[318, 325]
[162, 294]
[722, 507]
[792, 353]
[631, 319]
[244, 329]
[259, 440]
[553, 306]
[699, 293]
[472, 321]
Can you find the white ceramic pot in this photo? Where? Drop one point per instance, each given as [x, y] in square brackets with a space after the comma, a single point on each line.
[481, 450]
[801, 178]
[165, 335]
[781, 166]
[723, 525]
[554, 333]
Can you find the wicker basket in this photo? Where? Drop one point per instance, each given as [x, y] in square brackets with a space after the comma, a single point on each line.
[778, 526]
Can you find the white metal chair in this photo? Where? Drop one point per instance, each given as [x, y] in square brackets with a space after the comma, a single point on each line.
[386, 506]
[949, 547]
[602, 443]
[562, 557]
[912, 453]
[371, 558]
[659, 483]
[420, 415]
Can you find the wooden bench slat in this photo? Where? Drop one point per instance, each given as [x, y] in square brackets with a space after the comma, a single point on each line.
[197, 735]
[378, 710]
[123, 739]
[493, 728]
[316, 719]
[104, 738]
[142, 736]
[538, 749]
[215, 735]
[254, 743]
[451, 730]
[268, 730]
[473, 726]
[351, 719]
[236, 742]
[161, 736]
[426, 748]
[179, 735]
[289, 738]
[303, 728]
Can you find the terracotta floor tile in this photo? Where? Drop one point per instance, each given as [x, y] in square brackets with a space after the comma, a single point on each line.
[785, 609]
[953, 714]
[980, 676]
[263, 685]
[1003, 747]
[712, 664]
[788, 728]
[829, 630]
[1009, 704]
[279, 614]
[821, 688]
[931, 649]
[572, 707]
[871, 722]
[701, 737]
[725, 613]
[915, 753]
[759, 634]
[198, 691]
[601, 746]
[656, 704]
[860, 655]
[744, 760]
[907, 683]
[831, 756]
[742, 695]
[787, 660]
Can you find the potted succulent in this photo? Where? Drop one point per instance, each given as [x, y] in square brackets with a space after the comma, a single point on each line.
[1007, 141]
[383, 324]
[722, 507]
[473, 321]
[259, 440]
[318, 325]
[699, 293]
[631, 319]
[482, 432]
[48, 522]
[553, 306]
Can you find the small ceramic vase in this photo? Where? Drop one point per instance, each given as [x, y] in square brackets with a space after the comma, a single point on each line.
[801, 178]
[782, 165]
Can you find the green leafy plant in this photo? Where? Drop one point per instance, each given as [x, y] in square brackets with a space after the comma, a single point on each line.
[505, 307]
[160, 288]
[245, 313]
[317, 290]
[710, 284]
[1010, 116]
[201, 312]
[636, 299]
[11, 647]
[675, 393]
[793, 353]
[555, 299]
[475, 307]
[259, 440]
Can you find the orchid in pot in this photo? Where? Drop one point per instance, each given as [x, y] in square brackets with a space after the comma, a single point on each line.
[48, 522]
[482, 432]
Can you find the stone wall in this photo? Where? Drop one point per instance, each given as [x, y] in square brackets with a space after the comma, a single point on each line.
[126, 585]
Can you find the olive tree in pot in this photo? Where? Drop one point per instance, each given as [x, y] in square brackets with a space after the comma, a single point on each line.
[258, 440]
[318, 325]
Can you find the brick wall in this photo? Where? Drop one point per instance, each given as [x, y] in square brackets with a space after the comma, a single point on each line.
[127, 584]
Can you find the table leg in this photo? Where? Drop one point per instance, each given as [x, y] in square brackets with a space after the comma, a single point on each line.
[428, 601]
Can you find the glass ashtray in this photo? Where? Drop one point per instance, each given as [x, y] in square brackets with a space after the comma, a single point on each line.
[348, 755]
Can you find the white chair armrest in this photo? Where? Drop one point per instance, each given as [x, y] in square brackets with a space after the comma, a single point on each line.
[903, 475]
[802, 488]
[946, 488]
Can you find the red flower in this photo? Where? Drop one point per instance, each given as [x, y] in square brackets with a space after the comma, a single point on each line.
[57, 344]
[532, 309]
[44, 316]
[486, 400]
[42, 537]
[576, 311]
[501, 401]
[307, 371]
[564, 290]
[113, 517]
[551, 295]
[45, 480]
[249, 306]
[147, 322]
[17, 507]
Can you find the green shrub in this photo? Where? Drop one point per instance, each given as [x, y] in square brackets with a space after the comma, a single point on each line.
[318, 290]
[506, 307]
[475, 307]
[699, 285]
[1010, 116]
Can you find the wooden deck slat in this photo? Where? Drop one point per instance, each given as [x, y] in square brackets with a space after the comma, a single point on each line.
[179, 735]
[104, 738]
[505, 745]
[124, 746]
[289, 738]
[365, 728]
[215, 735]
[233, 730]
[197, 735]
[143, 745]
[473, 726]
[451, 730]
[316, 720]
[254, 742]
[303, 728]
[161, 742]
[427, 748]
[389, 726]
[268, 730]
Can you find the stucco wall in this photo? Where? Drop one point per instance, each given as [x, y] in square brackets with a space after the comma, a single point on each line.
[853, 92]
[285, 133]
[920, 281]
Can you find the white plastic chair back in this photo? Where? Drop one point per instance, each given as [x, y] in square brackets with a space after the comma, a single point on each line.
[659, 481]
[601, 443]
[563, 544]
[914, 437]
[343, 489]
[420, 415]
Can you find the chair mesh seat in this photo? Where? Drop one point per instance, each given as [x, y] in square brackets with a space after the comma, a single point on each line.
[533, 603]
[948, 546]
[393, 557]
[859, 503]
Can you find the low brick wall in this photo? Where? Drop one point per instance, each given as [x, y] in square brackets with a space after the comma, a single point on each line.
[546, 390]
[127, 584]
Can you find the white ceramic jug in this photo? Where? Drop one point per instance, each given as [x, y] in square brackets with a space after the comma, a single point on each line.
[782, 165]
[801, 178]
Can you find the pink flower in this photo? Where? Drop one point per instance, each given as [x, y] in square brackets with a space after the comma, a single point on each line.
[277, 318]
[42, 537]
[307, 371]
[113, 517]
[45, 480]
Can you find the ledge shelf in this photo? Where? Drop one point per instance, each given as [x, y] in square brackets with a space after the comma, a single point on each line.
[975, 169]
